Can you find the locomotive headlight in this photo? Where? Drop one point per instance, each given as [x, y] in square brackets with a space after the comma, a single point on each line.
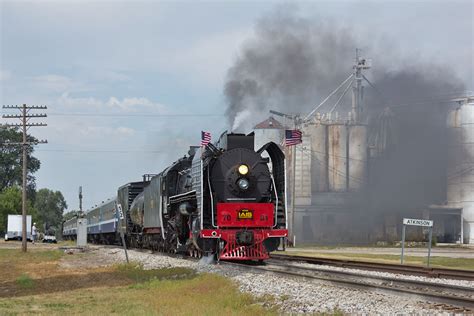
[243, 184]
[243, 169]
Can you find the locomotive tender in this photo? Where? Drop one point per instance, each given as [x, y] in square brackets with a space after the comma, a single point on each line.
[225, 199]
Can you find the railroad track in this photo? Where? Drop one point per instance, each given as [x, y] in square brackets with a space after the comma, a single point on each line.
[452, 298]
[383, 267]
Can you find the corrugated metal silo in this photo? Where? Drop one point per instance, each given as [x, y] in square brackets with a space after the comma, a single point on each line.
[303, 172]
[319, 163]
[337, 157]
[461, 166]
[357, 156]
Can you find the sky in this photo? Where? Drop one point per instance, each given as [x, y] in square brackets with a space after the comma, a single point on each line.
[129, 85]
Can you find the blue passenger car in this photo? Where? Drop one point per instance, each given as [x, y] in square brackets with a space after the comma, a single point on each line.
[102, 222]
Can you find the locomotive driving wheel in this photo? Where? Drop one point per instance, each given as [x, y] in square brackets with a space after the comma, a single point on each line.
[171, 242]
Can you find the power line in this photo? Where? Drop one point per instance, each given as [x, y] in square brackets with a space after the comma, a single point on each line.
[337, 171]
[102, 151]
[25, 116]
[134, 115]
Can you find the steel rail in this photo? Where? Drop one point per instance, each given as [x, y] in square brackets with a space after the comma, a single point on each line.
[383, 267]
[449, 288]
[459, 297]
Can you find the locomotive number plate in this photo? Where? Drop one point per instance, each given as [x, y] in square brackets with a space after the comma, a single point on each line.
[245, 214]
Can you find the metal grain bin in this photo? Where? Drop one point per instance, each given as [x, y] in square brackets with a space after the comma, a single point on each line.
[357, 157]
[461, 166]
[319, 159]
[337, 157]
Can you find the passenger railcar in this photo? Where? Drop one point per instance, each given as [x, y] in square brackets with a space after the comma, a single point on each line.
[102, 222]
[70, 229]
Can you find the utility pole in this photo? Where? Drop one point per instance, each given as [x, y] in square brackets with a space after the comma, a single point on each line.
[25, 117]
[80, 201]
[357, 92]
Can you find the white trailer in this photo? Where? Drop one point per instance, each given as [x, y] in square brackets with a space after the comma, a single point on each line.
[14, 227]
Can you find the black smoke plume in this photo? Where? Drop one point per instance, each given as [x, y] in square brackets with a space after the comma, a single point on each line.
[294, 62]
[288, 66]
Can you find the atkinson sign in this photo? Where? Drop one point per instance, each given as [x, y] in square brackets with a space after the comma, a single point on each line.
[417, 222]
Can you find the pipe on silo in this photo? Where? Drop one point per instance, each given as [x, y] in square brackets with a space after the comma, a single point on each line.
[337, 157]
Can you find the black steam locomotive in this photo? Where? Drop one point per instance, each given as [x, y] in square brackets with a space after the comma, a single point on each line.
[225, 199]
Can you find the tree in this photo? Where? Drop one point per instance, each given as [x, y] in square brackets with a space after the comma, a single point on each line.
[10, 203]
[49, 206]
[11, 160]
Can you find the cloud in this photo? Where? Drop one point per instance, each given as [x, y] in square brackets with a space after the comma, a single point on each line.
[127, 104]
[208, 58]
[130, 104]
[5, 75]
[54, 83]
[113, 76]
[106, 131]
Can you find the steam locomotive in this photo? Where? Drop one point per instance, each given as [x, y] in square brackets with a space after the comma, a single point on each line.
[224, 199]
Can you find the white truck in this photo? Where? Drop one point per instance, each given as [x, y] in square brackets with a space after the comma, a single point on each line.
[14, 226]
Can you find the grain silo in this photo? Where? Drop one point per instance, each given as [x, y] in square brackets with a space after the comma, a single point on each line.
[460, 175]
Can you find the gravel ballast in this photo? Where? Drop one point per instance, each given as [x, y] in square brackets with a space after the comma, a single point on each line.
[292, 295]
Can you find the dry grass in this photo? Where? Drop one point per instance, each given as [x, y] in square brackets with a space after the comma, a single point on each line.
[35, 284]
[201, 295]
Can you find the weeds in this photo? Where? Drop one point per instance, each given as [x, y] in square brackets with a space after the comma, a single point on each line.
[136, 272]
[34, 284]
[25, 282]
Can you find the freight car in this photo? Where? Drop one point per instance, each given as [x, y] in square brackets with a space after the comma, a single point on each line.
[224, 199]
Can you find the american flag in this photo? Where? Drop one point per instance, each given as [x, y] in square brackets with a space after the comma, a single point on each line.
[293, 137]
[205, 138]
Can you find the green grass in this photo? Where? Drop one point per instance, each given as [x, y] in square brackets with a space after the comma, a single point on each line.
[64, 243]
[24, 281]
[35, 285]
[31, 256]
[135, 272]
[205, 294]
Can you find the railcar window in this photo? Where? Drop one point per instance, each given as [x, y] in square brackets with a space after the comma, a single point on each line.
[108, 212]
